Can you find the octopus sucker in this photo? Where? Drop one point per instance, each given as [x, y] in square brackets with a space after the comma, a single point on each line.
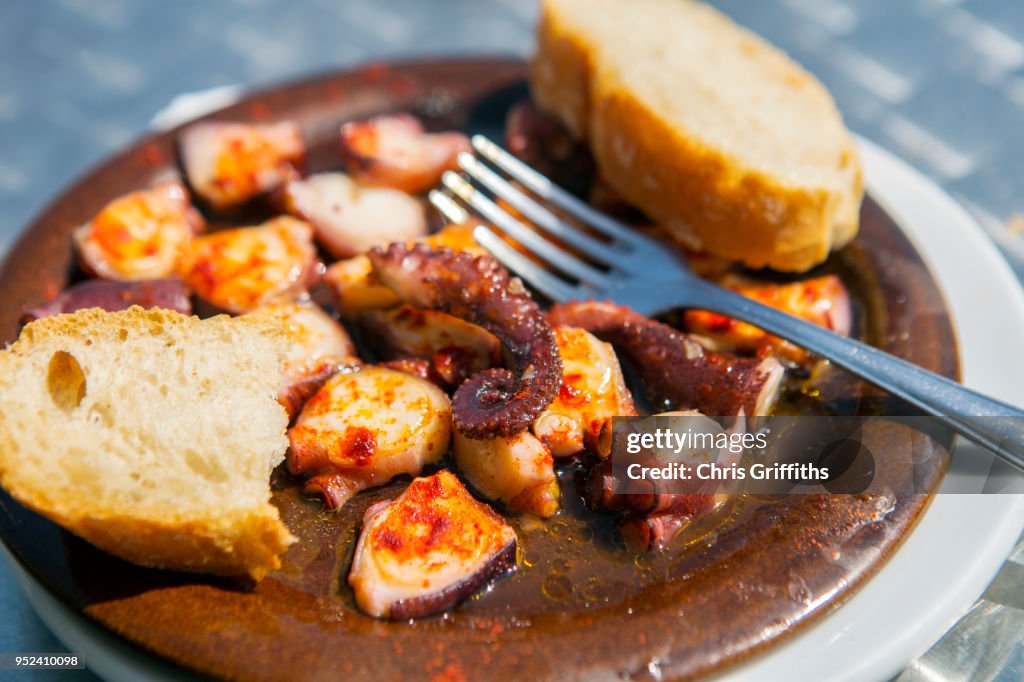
[498, 401]
[675, 370]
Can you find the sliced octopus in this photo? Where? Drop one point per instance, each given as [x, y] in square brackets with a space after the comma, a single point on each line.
[428, 549]
[230, 164]
[517, 471]
[593, 392]
[653, 516]
[395, 151]
[140, 235]
[357, 290]
[363, 428]
[453, 348]
[350, 218]
[676, 371]
[241, 269]
[498, 401]
[821, 300]
[319, 347]
[171, 294]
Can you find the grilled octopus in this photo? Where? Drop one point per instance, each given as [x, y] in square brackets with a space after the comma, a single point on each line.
[498, 401]
[428, 549]
[244, 268]
[229, 164]
[349, 218]
[140, 235]
[357, 290]
[319, 347]
[821, 300]
[395, 151]
[676, 372]
[169, 293]
[363, 428]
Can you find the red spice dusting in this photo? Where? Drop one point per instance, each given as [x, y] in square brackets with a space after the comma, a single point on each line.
[570, 393]
[152, 155]
[358, 444]
[260, 111]
[389, 540]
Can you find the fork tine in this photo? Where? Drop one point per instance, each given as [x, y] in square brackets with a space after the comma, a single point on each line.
[550, 285]
[537, 214]
[544, 188]
[448, 207]
[544, 249]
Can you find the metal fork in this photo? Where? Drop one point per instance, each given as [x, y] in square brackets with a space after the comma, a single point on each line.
[635, 270]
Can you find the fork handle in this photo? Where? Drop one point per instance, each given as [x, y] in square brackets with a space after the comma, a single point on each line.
[967, 412]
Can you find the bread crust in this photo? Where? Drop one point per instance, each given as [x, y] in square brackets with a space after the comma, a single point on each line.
[706, 198]
[228, 541]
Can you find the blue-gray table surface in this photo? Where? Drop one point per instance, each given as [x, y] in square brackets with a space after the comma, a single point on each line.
[938, 82]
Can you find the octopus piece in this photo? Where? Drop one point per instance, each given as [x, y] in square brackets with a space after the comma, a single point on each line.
[517, 470]
[230, 164]
[603, 490]
[652, 532]
[241, 269]
[498, 401]
[654, 515]
[140, 235]
[541, 141]
[821, 300]
[350, 218]
[356, 289]
[454, 348]
[320, 346]
[363, 428]
[675, 370]
[395, 151]
[418, 367]
[428, 549]
[171, 294]
[593, 391]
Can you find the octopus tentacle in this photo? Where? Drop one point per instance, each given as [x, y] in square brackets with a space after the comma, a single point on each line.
[498, 401]
[675, 370]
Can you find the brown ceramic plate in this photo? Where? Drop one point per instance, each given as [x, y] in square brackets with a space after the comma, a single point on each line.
[580, 605]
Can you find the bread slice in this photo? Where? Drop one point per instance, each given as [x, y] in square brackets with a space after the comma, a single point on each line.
[716, 135]
[150, 434]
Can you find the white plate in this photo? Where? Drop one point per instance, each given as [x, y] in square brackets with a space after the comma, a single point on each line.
[944, 565]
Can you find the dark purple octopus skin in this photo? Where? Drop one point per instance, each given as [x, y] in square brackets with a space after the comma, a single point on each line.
[497, 402]
[677, 372]
[603, 490]
[170, 294]
[501, 563]
[653, 531]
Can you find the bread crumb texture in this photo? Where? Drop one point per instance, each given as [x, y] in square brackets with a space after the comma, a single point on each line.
[150, 434]
[718, 136]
